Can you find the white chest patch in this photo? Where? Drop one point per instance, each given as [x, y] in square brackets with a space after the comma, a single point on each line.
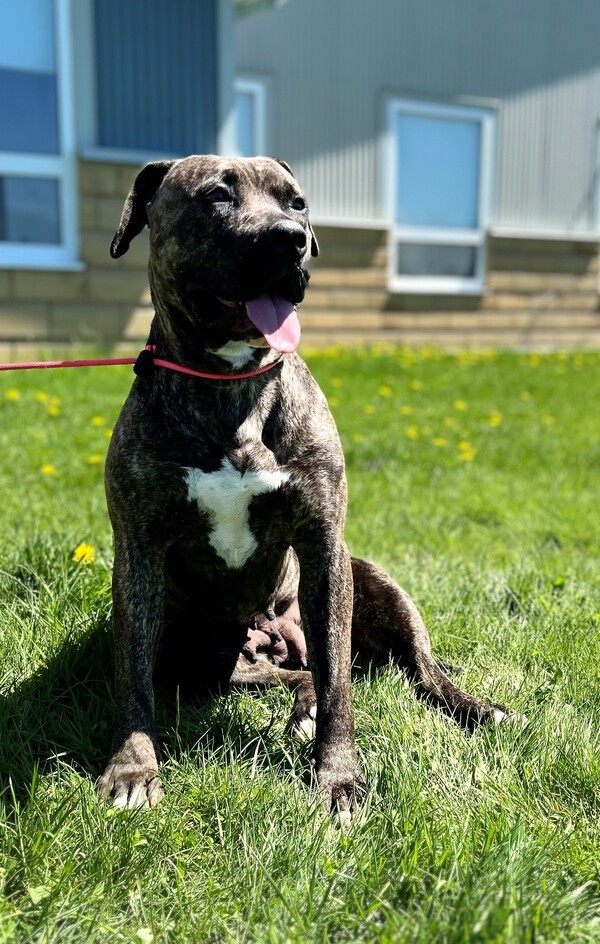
[226, 495]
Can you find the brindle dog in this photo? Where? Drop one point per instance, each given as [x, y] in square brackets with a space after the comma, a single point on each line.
[228, 497]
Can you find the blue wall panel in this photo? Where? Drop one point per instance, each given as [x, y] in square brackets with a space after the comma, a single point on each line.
[156, 75]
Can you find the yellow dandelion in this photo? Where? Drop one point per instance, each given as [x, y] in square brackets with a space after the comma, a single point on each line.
[108, 433]
[336, 382]
[416, 385]
[466, 451]
[460, 405]
[525, 395]
[440, 442]
[83, 554]
[97, 421]
[412, 431]
[95, 459]
[53, 410]
[48, 469]
[41, 397]
[384, 391]
[534, 360]
[495, 418]
[369, 408]
[12, 394]
[358, 438]
[548, 420]
[333, 401]
[406, 410]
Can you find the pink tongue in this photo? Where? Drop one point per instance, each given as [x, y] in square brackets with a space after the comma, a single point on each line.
[276, 319]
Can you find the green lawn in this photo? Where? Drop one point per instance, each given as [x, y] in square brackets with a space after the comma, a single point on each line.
[474, 479]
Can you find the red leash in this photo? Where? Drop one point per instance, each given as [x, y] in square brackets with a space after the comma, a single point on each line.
[36, 365]
[144, 364]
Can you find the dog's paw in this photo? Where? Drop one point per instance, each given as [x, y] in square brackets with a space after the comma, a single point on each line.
[130, 779]
[507, 716]
[341, 788]
[304, 723]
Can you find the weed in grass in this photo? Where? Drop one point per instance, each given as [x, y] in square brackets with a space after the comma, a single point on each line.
[487, 512]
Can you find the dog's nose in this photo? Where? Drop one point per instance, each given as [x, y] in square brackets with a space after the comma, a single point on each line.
[288, 237]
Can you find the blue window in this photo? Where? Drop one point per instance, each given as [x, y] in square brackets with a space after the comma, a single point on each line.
[37, 201]
[250, 117]
[437, 171]
[29, 210]
[441, 158]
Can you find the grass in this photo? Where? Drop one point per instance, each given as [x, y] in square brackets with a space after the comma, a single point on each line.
[474, 481]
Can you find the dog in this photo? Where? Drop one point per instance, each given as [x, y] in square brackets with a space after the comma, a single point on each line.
[227, 497]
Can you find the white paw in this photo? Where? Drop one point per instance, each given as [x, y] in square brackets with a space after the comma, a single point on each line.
[305, 729]
[510, 717]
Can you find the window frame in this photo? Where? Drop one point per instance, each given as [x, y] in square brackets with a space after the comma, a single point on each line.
[431, 235]
[60, 167]
[258, 89]
[596, 179]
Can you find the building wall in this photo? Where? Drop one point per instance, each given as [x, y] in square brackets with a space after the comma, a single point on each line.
[156, 74]
[542, 293]
[106, 302]
[330, 67]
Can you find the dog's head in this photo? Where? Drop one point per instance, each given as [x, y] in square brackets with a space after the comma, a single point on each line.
[229, 239]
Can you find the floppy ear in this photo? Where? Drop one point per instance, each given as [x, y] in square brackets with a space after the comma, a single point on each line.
[133, 217]
[314, 246]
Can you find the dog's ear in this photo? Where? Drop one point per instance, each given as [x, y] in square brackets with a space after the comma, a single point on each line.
[285, 166]
[314, 246]
[133, 217]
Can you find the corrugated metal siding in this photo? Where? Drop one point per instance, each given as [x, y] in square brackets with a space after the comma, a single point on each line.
[332, 64]
[156, 75]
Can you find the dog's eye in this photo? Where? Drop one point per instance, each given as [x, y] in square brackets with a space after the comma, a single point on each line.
[298, 204]
[219, 195]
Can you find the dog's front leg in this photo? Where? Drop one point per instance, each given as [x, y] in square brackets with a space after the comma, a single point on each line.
[326, 607]
[130, 778]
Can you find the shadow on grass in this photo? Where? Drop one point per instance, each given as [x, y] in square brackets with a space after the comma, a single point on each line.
[65, 712]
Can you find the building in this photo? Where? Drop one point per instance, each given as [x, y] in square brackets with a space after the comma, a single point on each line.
[89, 91]
[450, 150]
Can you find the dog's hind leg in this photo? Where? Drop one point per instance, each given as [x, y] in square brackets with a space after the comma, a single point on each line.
[386, 622]
[264, 674]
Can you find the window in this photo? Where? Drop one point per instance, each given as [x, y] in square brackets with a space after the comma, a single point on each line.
[249, 117]
[37, 212]
[441, 159]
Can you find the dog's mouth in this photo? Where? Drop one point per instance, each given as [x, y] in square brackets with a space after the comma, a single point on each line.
[268, 316]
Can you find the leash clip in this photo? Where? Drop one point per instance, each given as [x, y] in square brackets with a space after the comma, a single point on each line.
[144, 364]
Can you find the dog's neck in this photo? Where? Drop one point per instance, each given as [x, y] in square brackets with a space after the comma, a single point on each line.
[183, 346]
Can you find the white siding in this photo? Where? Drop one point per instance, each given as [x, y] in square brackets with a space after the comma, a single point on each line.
[333, 62]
